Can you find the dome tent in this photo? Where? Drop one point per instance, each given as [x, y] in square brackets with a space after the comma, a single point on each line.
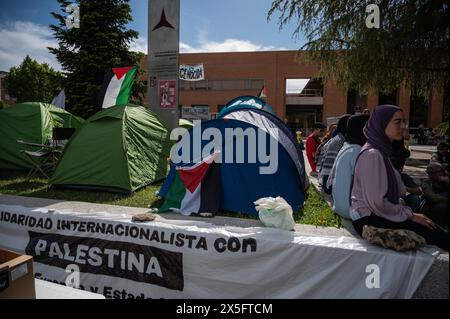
[62, 118]
[239, 184]
[246, 102]
[119, 149]
[31, 122]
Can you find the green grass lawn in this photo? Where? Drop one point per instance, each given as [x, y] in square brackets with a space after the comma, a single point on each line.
[315, 211]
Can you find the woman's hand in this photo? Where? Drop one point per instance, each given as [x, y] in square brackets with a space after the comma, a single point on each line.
[424, 220]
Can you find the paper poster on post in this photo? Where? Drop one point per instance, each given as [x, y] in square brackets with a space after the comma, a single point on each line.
[192, 72]
[163, 60]
[167, 94]
[195, 113]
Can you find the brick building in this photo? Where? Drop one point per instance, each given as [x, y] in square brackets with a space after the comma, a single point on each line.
[228, 75]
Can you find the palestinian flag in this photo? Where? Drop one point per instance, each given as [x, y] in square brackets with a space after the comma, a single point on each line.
[262, 93]
[195, 189]
[116, 88]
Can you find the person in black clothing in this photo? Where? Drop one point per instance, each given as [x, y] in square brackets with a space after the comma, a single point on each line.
[420, 135]
[435, 193]
[398, 159]
[441, 156]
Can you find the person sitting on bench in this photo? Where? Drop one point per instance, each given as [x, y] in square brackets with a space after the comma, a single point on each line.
[342, 172]
[377, 186]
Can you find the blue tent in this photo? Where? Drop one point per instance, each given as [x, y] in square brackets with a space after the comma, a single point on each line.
[246, 102]
[241, 182]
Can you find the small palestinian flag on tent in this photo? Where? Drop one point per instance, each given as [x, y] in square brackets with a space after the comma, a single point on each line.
[194, 189]
[262, 93]
[116, 88]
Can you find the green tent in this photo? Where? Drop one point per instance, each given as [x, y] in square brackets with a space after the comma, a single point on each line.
[185, 124]
[121, 148]
[31, 122]
[64, 118]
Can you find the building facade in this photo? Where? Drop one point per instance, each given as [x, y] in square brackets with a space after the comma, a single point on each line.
[232, 74]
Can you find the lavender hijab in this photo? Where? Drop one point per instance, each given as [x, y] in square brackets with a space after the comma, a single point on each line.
[377, 139]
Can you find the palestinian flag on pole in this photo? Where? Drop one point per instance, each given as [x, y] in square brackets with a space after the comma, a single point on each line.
[262, 93]
[116, 88]
[195, 189]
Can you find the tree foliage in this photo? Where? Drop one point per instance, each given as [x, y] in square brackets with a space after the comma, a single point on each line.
[32, 81]
[410, 47]
[102, 41]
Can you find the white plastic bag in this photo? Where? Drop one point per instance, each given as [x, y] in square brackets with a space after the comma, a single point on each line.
[275, 212]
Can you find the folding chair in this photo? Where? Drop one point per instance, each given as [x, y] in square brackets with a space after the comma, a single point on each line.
[42, 159]
[61, 136]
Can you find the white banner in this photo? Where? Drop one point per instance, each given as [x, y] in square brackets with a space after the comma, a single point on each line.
[190, 259]
[192, 72]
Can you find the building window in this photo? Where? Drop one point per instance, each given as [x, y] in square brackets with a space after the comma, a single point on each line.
[223, 85]
[356, 103]
[199, 85]
[418, 111]
[303, 117]
[304, 87]
[304, 103]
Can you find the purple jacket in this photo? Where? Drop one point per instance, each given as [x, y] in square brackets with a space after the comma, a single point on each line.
[370, 187]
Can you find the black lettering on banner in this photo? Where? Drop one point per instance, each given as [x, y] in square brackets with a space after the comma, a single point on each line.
[111, 258]
[22, 220]
[234, 245]
[191, 72]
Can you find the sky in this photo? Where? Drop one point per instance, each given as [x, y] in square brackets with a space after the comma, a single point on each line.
[205, 26]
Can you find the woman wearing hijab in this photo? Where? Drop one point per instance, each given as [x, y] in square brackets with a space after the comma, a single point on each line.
[377, 186]
[331, 150]
[341, 174]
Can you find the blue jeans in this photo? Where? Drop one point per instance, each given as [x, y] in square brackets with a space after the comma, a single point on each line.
[413, 201]
[325, 189]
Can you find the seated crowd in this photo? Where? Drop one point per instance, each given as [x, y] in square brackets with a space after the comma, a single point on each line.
[360, 163]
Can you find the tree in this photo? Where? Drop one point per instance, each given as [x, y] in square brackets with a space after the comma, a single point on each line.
[102, 41]
[139, 89]
[410, 47]
[32, 81]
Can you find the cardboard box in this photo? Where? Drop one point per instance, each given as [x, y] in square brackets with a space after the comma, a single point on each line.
[16, 276]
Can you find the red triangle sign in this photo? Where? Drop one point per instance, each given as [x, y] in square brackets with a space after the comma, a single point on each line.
[119, 72]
